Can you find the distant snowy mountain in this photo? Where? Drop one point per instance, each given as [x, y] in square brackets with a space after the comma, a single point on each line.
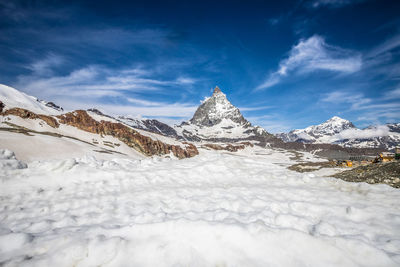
[216, 118]
[318, 133]
[342, 132]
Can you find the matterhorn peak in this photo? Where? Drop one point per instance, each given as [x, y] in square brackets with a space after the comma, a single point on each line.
[217, 119]
[216, 109]
[217, 90]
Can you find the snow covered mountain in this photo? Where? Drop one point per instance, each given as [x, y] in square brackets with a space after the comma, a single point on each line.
[342, 132]
[34, 128]
[11, 97]
[318, 133]
[217, 119]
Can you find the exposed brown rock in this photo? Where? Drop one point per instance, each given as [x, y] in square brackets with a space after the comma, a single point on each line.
[81, 120]
[26, 114]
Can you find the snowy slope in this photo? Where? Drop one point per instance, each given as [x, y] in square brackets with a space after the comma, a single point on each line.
[217, 209]
[217, 118]
[11, 97]
[340, 131]
[73, 142]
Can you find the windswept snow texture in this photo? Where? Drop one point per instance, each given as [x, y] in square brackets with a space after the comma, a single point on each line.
[217, 209]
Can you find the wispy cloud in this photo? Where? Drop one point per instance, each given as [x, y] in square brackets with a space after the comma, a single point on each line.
[111, 90]
[369, 109]
[388, 45]
[314, 54]
[333, 3]
[44, 67]
[356, 100]
[93, 80]
[393, 94]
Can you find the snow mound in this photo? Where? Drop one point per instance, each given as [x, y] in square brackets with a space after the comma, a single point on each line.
[8, 160]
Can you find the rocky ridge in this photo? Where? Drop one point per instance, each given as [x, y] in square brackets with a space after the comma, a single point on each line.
[80, 119]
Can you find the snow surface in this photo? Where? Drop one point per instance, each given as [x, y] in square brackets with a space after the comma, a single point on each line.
[216, 209]
[11, 97]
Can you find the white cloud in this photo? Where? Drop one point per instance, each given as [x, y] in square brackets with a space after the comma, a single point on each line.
[314, 54]
[381, 130]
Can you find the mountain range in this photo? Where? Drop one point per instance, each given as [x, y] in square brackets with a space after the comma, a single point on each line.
[343, 132]
[216, 124]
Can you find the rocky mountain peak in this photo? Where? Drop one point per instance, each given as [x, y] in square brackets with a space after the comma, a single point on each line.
[215, 109]
[217, 90]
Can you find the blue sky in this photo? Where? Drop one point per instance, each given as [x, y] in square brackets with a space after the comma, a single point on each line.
[285, 64]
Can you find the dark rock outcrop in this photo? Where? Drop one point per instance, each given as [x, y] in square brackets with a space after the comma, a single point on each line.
[386, 173]
[54, 106]
[2, 106]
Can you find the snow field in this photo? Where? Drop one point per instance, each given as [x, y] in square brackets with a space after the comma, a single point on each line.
[216, 209]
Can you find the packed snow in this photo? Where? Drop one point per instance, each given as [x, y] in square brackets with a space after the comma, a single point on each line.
[216, 209]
